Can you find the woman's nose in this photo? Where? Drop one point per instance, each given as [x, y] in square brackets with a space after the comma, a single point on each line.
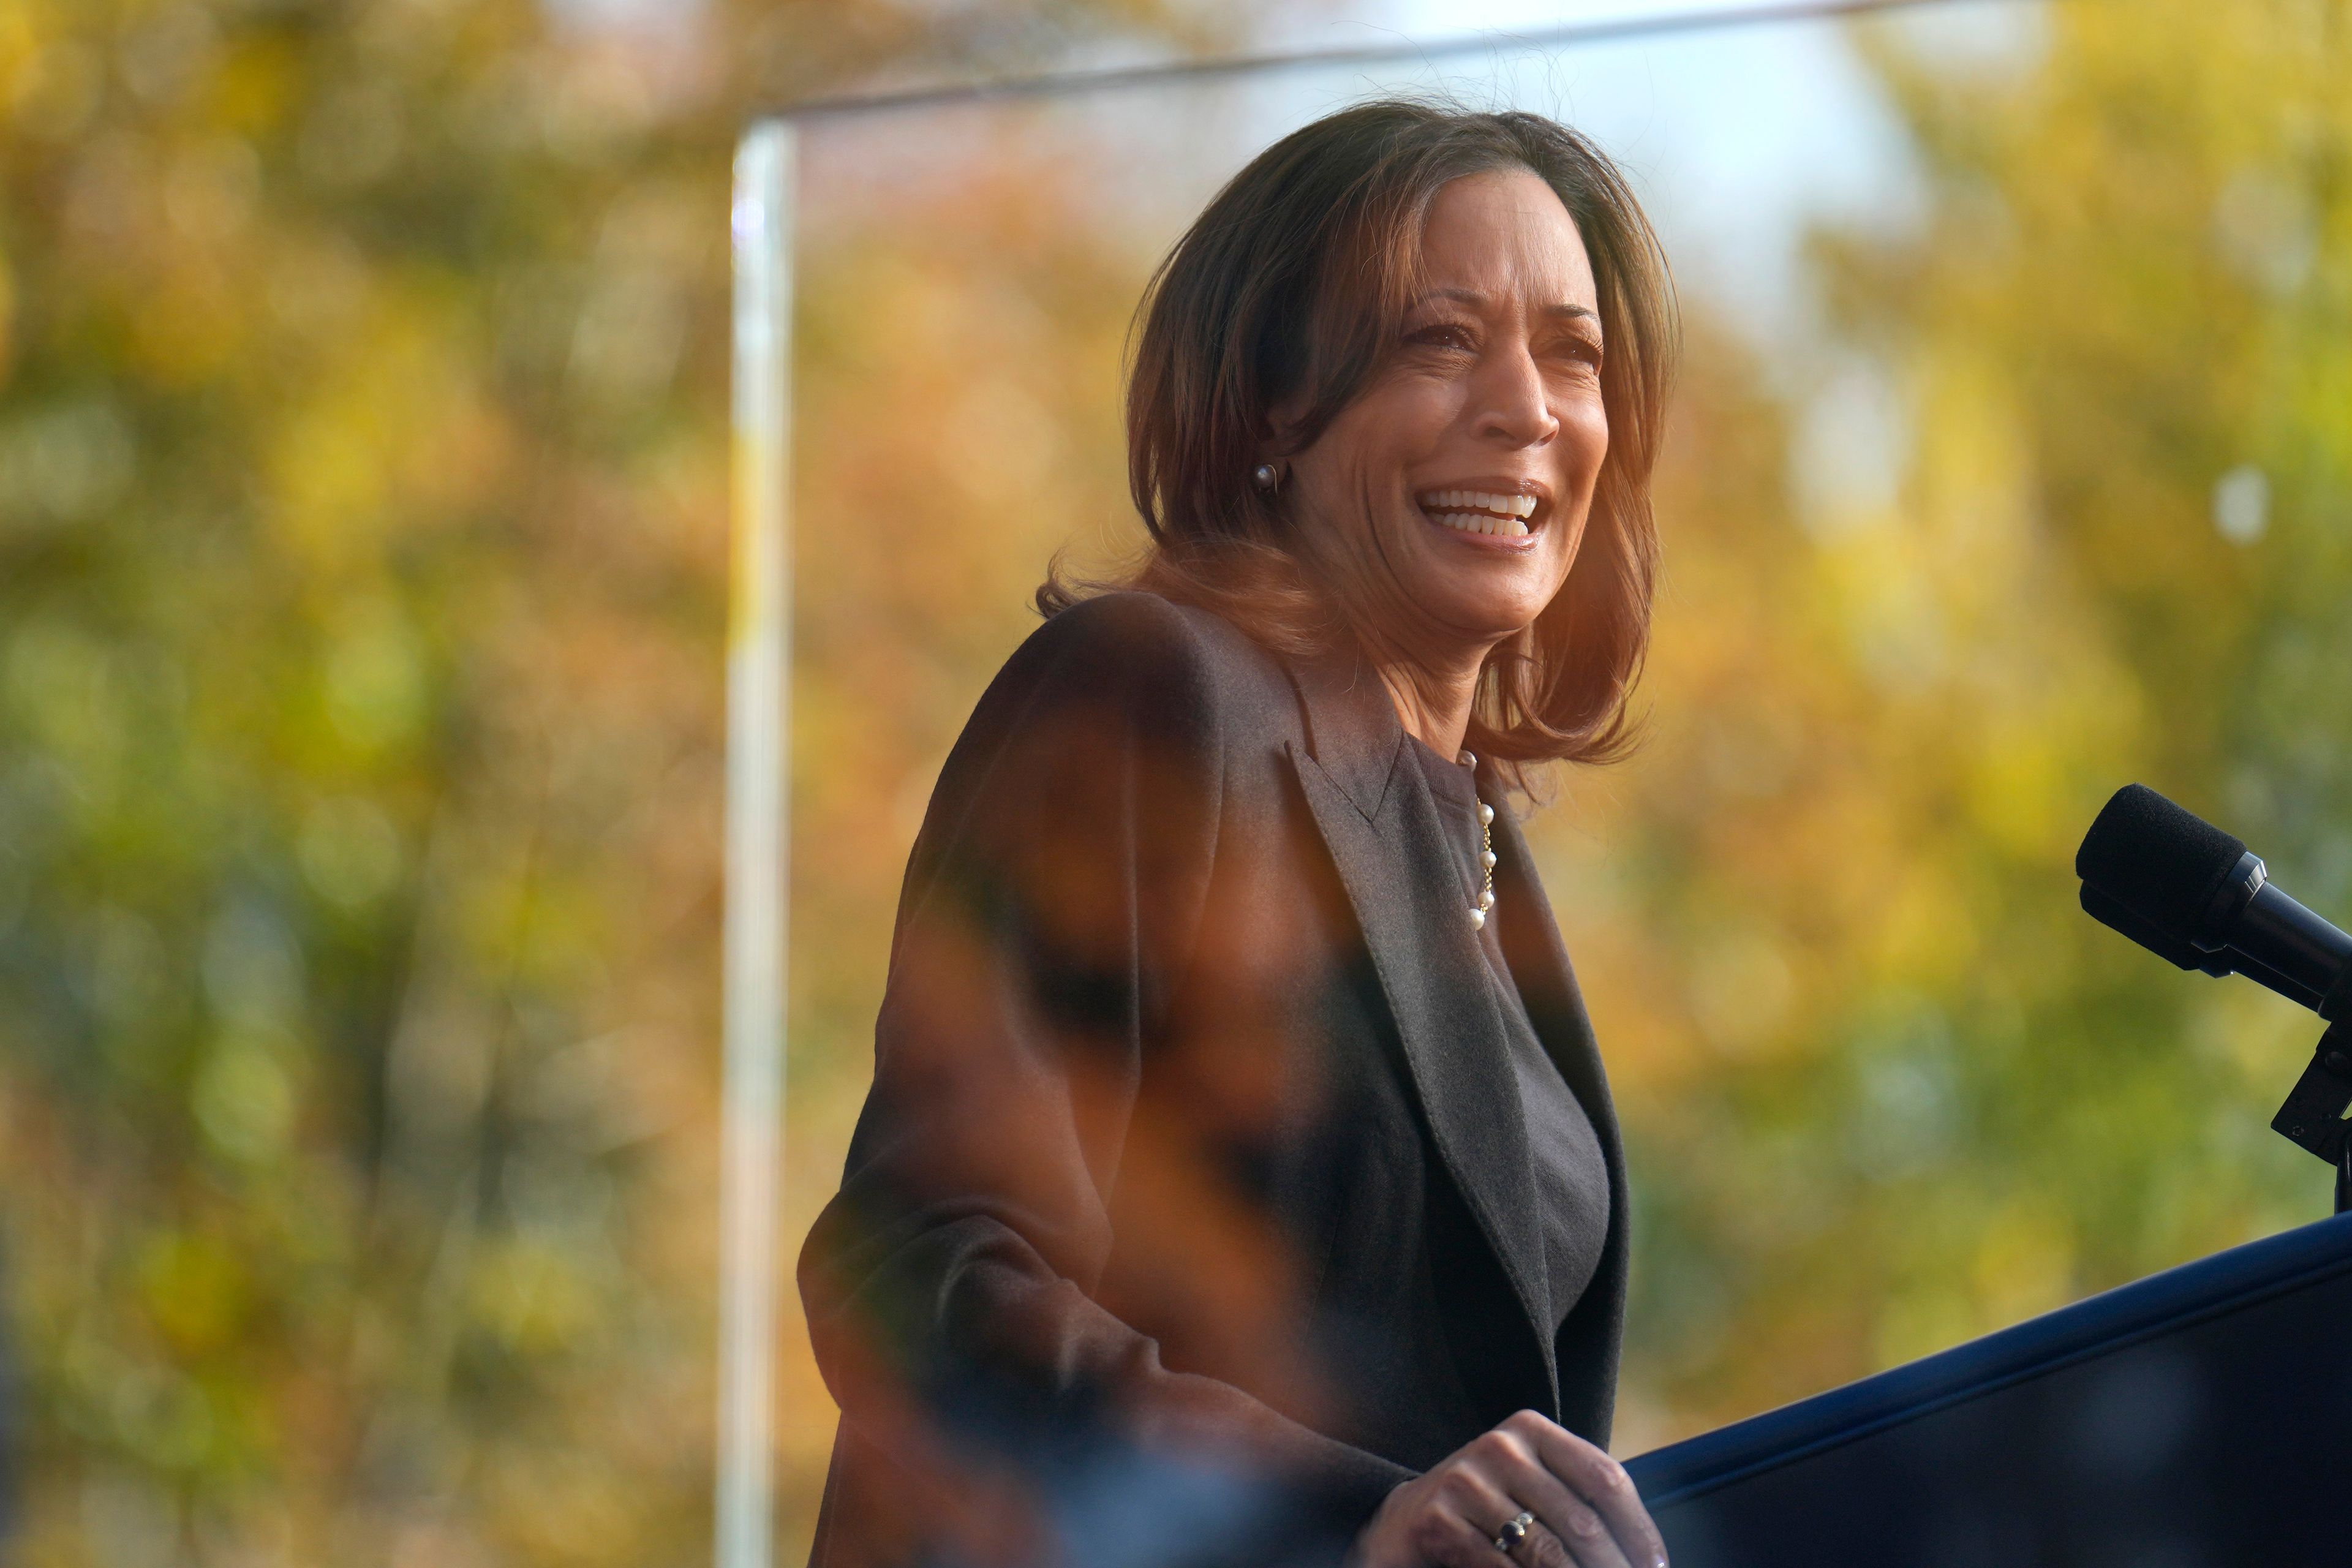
[1512, 405]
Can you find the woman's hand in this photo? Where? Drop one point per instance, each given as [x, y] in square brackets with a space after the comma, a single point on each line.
[1585, 1513]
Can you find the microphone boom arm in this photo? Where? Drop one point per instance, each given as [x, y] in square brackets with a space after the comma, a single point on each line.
[2313, 1117]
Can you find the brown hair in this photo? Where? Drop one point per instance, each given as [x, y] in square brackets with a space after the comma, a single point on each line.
[1292, 285]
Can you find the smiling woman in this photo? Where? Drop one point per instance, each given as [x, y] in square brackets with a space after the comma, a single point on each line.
[1239, 1182]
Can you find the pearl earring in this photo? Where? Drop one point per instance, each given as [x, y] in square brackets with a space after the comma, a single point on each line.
[1267, 476]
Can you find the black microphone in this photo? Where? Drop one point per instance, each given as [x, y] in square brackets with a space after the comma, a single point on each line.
[2190, 893]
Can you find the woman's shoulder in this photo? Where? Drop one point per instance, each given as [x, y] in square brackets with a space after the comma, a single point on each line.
[1119, 684]
[1172, 659]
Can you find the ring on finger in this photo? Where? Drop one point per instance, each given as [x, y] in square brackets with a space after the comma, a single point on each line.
[1511, 1535]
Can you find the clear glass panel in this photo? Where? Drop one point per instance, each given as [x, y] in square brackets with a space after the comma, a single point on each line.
[1964, 526]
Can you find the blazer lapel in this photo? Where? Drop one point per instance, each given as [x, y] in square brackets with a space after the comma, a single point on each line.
[1381, 827]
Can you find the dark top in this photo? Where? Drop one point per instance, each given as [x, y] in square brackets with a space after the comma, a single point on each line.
[1571, 1178]
[1192, 1209]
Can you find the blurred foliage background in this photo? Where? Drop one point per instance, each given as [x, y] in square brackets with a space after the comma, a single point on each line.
[362, 466]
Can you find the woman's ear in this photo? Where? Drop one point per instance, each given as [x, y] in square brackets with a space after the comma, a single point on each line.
[1274, 449]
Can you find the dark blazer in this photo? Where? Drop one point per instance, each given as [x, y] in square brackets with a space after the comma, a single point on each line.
[1191, 1210]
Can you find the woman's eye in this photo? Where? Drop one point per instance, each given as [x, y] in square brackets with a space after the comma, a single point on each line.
[1443, 337]
[1580, 350]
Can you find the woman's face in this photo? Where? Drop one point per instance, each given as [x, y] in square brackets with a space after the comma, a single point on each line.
[1452, 491]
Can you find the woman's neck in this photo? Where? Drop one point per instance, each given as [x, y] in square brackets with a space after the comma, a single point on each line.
[1430, 672]
[1434, 703]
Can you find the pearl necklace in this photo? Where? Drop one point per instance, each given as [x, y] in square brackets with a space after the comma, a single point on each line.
[1486, 850]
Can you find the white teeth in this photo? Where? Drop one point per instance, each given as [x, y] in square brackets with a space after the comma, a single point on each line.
[1478, 512]
[1521, 505]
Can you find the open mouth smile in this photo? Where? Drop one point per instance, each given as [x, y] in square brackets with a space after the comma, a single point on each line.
[1499, 514]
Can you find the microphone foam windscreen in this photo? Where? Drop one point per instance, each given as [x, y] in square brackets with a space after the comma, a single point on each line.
[2162, 863]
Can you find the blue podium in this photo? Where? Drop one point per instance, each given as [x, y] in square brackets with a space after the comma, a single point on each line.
[2199, 1418]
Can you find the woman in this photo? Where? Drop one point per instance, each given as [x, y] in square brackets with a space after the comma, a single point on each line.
[1239, 1182]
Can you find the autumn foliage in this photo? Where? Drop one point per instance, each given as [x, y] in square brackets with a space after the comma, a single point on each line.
[363, 464]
